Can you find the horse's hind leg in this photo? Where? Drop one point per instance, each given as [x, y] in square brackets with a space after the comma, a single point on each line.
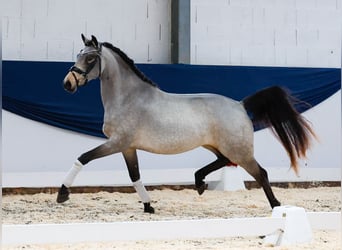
[203, 172]
[260, 175]
[100, 151]
[215, 165]
[131, 159]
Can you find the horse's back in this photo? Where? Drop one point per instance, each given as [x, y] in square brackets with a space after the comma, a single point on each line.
[175, 123]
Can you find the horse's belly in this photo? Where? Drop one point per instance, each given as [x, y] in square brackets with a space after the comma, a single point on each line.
[170, 143]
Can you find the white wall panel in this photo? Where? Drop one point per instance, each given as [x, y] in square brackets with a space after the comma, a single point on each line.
[254, 55]
[285, 37]
[263, 36]
[61, 50]
[235, 57]
[11, 27]
[279, 17]
[13, 9]
[296, 56]
[11, 48]
[295, 25]
[34, 8]
[291, 33]
[34, 49]
[50, 24]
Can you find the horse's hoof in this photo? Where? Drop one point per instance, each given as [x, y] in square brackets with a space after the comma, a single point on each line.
[63, 194]
[201, 188]
[148, 208]
[275, 203]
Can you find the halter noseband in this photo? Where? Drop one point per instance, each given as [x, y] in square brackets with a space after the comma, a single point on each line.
[90, 66]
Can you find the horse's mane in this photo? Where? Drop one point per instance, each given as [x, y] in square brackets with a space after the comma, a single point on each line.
[129, 62]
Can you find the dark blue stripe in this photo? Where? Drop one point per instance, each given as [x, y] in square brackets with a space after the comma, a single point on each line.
[34, 89]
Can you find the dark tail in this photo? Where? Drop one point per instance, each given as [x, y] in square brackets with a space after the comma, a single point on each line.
[273, 107]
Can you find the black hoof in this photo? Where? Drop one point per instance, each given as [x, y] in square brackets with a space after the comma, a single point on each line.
[275, 203]
[63, 194]
[148, 208]
[201, 187]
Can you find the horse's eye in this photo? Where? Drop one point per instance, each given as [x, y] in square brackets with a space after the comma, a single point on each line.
[90, 59]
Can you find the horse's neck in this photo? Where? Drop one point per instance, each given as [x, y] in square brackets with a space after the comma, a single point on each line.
[119, 86]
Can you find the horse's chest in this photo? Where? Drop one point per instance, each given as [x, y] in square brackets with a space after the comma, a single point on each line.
[115, 127]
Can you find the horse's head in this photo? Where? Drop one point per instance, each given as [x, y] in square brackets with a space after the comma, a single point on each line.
[87, 66]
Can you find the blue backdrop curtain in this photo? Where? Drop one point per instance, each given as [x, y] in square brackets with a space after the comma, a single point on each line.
[34, 89]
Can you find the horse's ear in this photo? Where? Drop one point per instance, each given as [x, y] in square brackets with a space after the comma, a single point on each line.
[84, 39]
[94, 41]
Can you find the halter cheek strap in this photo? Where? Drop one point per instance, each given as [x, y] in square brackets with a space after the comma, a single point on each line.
[89, 68]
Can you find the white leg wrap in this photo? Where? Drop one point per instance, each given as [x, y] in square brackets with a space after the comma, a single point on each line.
[140, 188]
[69, 179]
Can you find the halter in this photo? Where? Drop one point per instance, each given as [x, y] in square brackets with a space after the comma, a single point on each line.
[90, 66]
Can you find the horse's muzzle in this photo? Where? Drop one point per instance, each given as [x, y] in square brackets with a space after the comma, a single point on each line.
[68, 86]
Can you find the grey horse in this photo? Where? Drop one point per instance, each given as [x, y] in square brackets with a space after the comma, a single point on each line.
[140, 116]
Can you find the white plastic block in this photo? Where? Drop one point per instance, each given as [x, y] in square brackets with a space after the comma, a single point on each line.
[231, 180]
[297, 227]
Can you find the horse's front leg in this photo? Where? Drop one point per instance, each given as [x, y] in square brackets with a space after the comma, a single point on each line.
[105, 149]
[131, 159]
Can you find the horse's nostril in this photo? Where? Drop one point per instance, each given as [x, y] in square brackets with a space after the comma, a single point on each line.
[68, 86]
